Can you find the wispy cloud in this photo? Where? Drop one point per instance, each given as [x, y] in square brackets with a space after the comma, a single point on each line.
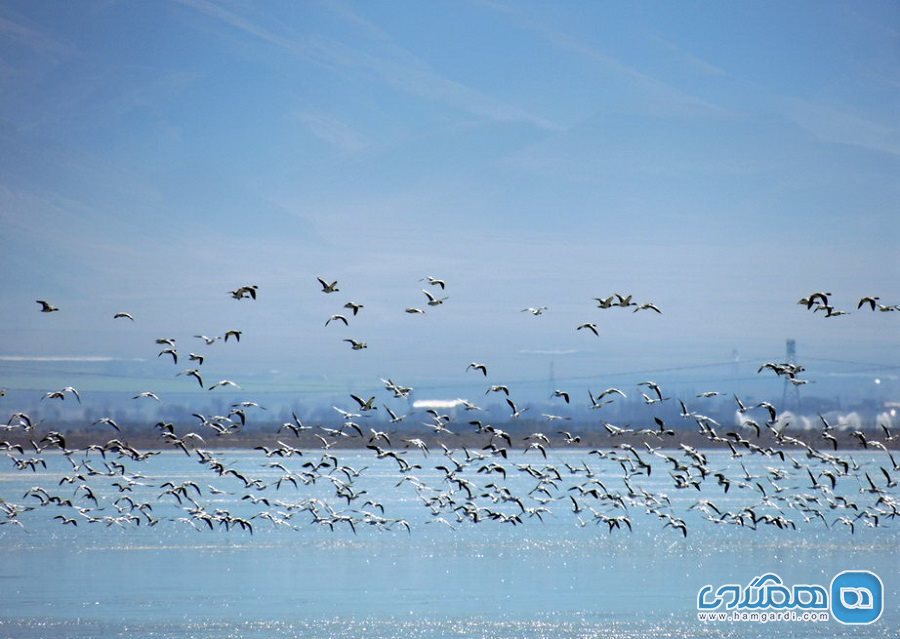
[399, 68]
[663, 92]
[67, 358]
[548, 352]
[333, 131]
[833, 125]
[688, 58]
[32, 38]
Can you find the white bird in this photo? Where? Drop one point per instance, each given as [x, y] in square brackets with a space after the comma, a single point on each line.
[328, 288]
[810, 300]
[591, 327]
[244, 291]
[46, 307]
[192, 372]
[364, 405]
[223, 382]
[61, 394]
[467, 405]
[109, 421]
[478, 367]
[872, 300]
[337, 318]
[395, 419]
[146, 394]
[616, 430]
[539, 310]
[71, 389]
[346, 414]
[597, 402]
[413, 310]
[432, 300]
[654, 387]
[648, 306]
[515, 411]
[434, 281]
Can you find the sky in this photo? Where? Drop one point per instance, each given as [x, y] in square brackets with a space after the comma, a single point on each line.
[721, 160]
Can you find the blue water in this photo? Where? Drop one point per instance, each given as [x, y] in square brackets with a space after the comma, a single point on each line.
[554, 578]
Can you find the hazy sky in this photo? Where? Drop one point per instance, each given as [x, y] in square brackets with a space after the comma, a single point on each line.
[719, 159]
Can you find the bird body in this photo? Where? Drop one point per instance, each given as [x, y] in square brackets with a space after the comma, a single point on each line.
[337, 318]
[328, 287]
[432, 300]
[478, 367]
[591, 327]
[244, 292]
[535, 310]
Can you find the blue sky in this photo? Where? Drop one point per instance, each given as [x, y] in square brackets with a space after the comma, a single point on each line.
[719, 159]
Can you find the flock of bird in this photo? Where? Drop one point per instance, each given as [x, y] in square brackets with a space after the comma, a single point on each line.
[818, 302]
[495, 476]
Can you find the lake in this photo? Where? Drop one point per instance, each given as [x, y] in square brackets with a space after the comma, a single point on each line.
[557, 574]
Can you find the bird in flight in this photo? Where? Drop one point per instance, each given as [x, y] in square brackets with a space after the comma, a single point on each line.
[364, 404]
[515, 411]
[434, 281]
[432, 300]
[223, 382]
[61, 394]
[478, 367]
[244, 291]
[871, 300]
[123, 315]
[591, 327]
[328, 288]
[46, 307]
[193, 372]
[649, 306]
[810, 300]
[337, 318]
[535, 310]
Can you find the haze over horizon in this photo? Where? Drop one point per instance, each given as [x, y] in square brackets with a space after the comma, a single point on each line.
[720, 163]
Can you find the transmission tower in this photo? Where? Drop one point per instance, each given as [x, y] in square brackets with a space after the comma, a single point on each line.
[551, 381]
[792, 390]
